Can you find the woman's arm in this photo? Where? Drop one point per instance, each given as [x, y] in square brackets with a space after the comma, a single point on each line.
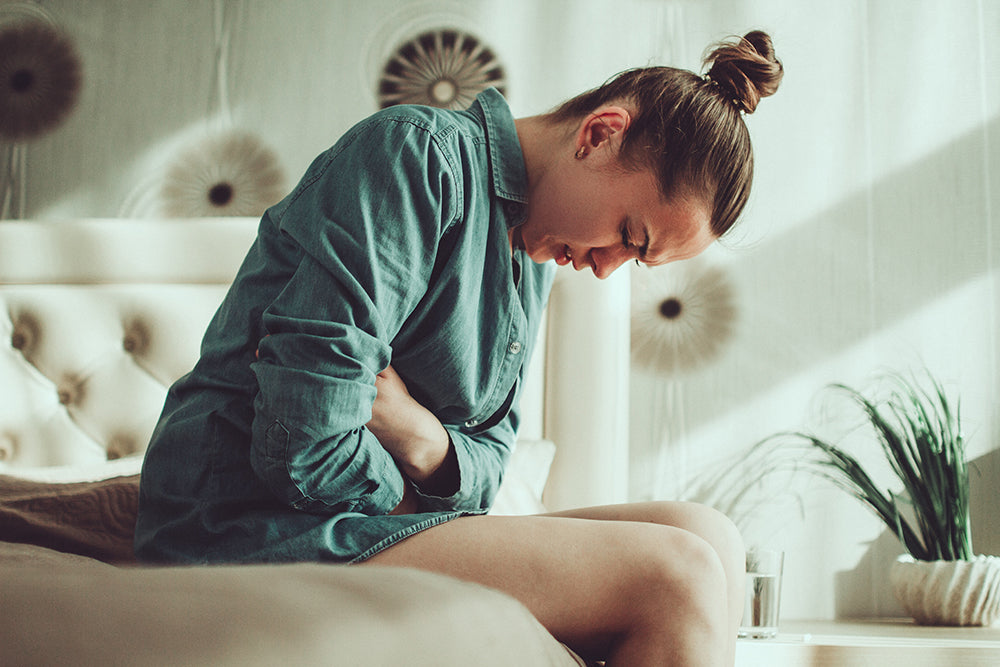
[359, 239]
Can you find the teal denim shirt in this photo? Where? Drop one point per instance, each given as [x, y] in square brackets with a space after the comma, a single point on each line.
[393, 248]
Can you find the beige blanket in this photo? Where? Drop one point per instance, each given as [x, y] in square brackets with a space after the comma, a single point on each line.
[64, 603]
[59, 612]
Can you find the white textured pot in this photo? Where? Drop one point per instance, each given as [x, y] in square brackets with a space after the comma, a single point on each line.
[942, 592]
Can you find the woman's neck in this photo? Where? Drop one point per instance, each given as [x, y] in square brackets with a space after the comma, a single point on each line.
[541, 141]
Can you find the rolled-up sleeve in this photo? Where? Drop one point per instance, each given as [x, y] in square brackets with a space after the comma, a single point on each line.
[316, 379]
[482, 459]
[363, 226]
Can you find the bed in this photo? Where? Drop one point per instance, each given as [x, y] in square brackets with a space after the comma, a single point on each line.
[97, 319]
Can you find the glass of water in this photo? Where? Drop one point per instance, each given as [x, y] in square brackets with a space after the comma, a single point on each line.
[763, 593]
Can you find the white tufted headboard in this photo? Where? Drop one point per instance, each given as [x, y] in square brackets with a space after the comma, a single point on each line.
[99, 317]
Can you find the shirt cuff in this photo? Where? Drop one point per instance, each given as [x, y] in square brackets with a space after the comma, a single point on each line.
[477, 482]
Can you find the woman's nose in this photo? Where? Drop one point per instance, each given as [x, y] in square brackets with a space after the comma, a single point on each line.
[606, 260]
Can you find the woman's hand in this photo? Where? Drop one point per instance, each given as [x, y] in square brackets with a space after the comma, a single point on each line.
[409, 431]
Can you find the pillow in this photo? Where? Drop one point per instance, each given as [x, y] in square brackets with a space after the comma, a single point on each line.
[520, 492]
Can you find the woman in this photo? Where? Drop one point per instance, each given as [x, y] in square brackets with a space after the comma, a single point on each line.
[356, 398]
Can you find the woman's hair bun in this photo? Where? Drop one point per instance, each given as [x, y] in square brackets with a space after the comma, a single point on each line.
[745, 69]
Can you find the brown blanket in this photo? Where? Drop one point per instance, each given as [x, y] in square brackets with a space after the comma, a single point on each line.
[95, 519]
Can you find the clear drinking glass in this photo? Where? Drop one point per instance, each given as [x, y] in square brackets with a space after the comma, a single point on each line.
[763, 593]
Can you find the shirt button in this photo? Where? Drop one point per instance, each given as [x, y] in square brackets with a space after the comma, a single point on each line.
[471, 423]
[514, 347]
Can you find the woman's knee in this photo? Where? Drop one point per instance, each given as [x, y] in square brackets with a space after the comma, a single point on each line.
[725, 536]
[678, 593]
[679, 572]
[711, 525]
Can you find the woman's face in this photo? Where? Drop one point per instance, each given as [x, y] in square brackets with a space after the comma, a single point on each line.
[591, 213]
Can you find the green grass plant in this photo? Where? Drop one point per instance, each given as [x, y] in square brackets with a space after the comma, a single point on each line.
[920, 434]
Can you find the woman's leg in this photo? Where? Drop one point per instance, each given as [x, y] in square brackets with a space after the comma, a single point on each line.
[623, 585]
[706, 522]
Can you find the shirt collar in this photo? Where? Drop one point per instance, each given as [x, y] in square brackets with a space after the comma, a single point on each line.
[507, 171]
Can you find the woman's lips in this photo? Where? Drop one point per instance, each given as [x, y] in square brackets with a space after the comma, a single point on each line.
[564, 256]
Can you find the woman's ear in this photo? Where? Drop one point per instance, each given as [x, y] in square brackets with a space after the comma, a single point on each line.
[601, 129]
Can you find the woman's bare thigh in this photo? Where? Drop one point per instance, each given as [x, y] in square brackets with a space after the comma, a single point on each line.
[583, 579]
[701, 520]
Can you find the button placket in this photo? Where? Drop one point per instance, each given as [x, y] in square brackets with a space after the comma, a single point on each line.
[510, 361]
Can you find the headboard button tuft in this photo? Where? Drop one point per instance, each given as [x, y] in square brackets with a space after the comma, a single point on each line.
[25, 334]
[70, 391]
[136, 340]
[119, 446]
[8, 446]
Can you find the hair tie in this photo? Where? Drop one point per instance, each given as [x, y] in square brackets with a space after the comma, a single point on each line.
[737, 102]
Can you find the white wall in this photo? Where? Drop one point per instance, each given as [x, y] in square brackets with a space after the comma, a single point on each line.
[869, 241]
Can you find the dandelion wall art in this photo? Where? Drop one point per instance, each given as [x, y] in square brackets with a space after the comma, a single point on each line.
[40, 77]
[40, 81]
[682, 315]
[441, 68]
[230, 173]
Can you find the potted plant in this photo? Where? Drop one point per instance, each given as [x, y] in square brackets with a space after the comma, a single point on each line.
[940, 581]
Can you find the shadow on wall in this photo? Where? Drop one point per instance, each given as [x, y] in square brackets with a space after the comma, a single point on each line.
[926, 226]
[865, 591]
